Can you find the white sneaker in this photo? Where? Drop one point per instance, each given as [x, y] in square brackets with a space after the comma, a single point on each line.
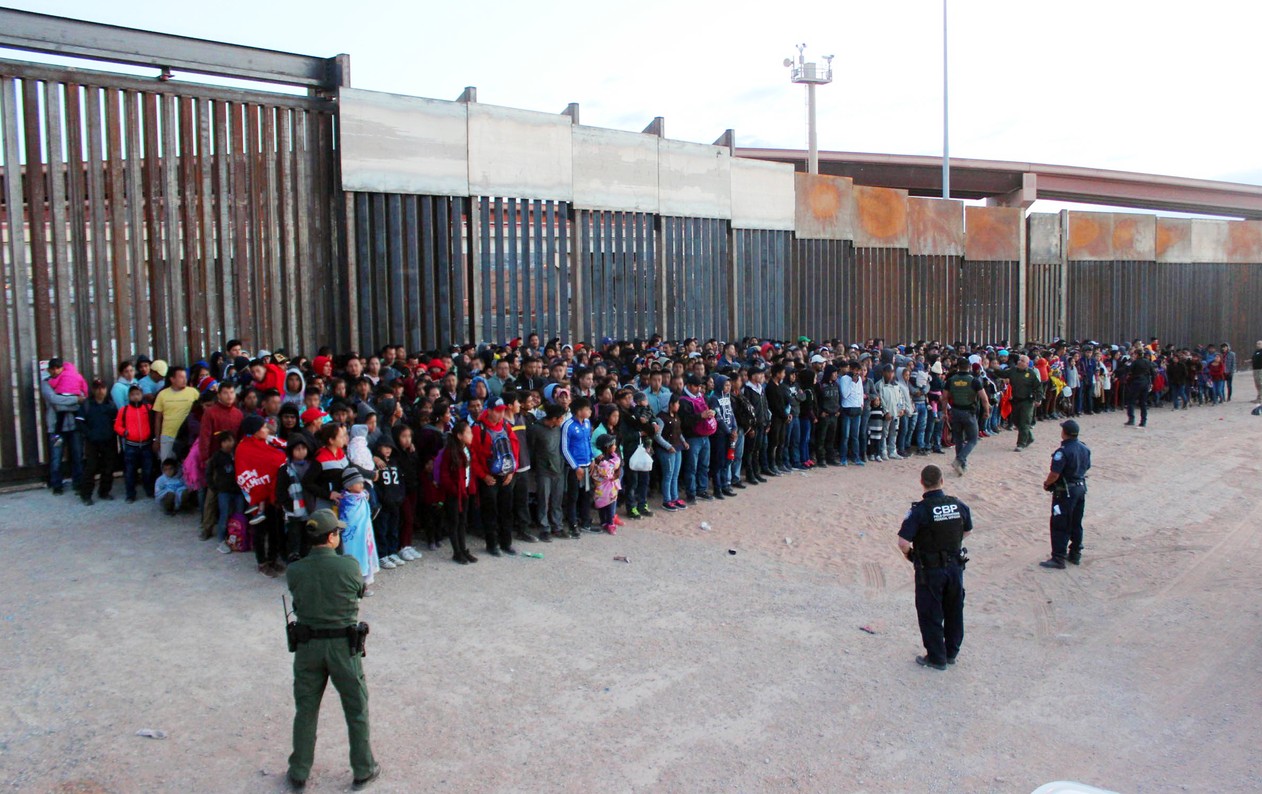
[896, 456]
[385, 562]
[408, 553]
[397, 560]
[369, 594]
[223, 547]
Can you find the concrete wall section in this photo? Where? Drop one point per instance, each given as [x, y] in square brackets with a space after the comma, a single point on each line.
[935, 227]
[993, 234]
[1174, 240]
[1044, 238]
[520, 153]
[1244, 242]
[401, 144]
[762, 195]
[1134, 237]
[615, 170]
[824, 207]
[694, 180]
[1209, 241]
[880, 217]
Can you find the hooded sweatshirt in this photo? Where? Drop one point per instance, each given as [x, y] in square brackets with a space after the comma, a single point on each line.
[257, 465]
[722, 405]
[294, 397]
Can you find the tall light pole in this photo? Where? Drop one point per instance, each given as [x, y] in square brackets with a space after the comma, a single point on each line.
[946, 137]
[812, 74]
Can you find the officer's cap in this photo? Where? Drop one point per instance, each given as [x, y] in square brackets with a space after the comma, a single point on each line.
[1070, 427]
[323, 522]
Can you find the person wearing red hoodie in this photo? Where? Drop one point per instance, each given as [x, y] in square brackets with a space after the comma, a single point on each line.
[267, 376]
[495, 454]
[134, 426]
[221, 415]
[258, 461]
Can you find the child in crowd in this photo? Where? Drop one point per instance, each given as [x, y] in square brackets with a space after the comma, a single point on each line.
[134, 426]
[606, 475]
[391, 493]
[357, 539]
[170, 491]
[293, 498]
[221, 476]
[406, 458]
[543, 438]
[671, 456]
[453, 473]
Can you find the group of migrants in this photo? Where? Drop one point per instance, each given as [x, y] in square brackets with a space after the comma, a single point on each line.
[521, 442]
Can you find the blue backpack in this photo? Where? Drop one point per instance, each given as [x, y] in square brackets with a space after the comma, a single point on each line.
[501, 461]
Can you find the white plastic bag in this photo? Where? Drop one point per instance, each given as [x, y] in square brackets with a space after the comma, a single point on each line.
[641, 459]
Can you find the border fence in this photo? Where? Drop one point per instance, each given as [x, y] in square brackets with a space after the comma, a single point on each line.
[143, 215]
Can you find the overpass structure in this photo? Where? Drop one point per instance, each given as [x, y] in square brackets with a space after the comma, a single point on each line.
[1006, 183]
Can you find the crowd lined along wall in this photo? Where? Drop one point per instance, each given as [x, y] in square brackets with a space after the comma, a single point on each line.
[142, 217]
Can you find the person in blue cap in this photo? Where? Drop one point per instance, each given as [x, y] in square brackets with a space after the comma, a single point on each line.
[1067, 482]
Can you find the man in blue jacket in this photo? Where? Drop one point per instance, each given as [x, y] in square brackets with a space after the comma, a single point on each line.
[576, 448]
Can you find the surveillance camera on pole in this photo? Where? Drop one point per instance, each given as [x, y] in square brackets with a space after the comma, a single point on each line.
[812, 74]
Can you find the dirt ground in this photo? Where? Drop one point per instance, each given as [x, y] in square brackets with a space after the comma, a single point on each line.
[689, 669]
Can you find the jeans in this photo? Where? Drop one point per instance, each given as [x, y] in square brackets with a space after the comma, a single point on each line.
[60, 445]
[734, 465]
[635, 486]
[719, 472]
[905, 426]
[697, 465]
[805, 429]
[851, 424]
[230, 503]
[578, 499]
[792, 453]
[669, 463]
[890, 445]
[1179, 393]
[934, 432]
[99, 460]
[921, 426]
[137, 458]
[825, 439]
[963, 432]
[1220, 391]
[386, 529]
[497, 513]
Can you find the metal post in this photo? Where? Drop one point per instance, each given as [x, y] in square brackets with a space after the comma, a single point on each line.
[946, 140]
[811, 142]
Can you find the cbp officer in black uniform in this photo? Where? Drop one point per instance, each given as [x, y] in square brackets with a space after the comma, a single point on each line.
[1068, 485]
[930, 538]
[1138, 384]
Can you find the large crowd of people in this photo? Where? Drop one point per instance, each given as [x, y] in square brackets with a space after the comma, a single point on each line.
[519, 443]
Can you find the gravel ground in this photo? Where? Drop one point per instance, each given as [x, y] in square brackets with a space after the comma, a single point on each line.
[689, 668]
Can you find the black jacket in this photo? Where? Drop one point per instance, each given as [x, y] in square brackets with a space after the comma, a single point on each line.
[96, 420]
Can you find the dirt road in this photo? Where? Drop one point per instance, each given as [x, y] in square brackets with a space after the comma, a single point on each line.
[688, 669]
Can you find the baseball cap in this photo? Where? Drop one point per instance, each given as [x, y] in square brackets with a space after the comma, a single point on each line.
[492, 403]
[322, 522]
[314, 415]
[818, 359]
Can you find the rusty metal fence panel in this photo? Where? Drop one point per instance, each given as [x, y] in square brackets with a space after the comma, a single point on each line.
[143, 217]
[410, 270]
[1043, 299]
[762, 273]
[989, 311]
[694, 272]
[524, 266]
[618, 272]
[1186, 304]
[821, 279]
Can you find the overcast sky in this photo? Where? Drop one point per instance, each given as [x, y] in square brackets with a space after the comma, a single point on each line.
[1167, 86]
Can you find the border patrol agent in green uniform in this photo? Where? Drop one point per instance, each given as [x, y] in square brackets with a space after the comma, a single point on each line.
[1026, 388]
[327, 643]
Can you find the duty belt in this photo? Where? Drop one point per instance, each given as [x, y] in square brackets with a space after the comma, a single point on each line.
[327, 634]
